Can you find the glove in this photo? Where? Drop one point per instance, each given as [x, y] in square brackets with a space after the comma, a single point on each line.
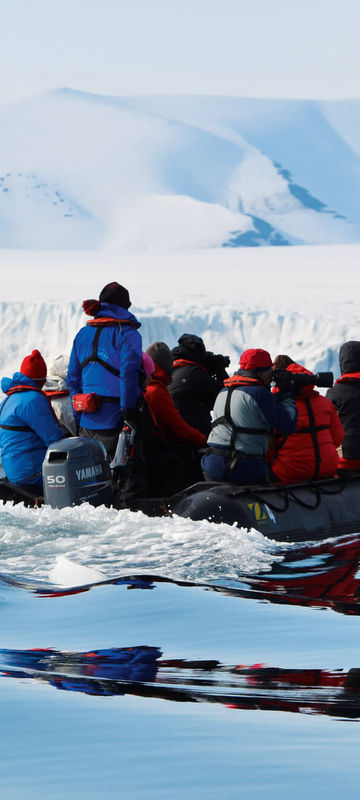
[284, 381]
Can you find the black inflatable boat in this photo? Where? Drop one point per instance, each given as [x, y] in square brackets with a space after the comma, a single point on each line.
[76, 470]
[297, 512]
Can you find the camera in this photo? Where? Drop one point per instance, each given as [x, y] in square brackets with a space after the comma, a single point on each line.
[216, 364]
[295, 381]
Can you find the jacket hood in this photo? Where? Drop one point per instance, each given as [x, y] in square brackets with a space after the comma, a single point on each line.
[159, 374]
[117, 312]
[190, 348]
[349, 357]
[18, 379]
[58, 368]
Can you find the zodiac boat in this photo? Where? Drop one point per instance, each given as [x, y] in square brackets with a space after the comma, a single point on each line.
[76, 470]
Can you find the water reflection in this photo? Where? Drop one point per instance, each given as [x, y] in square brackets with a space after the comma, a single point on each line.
[142, 671]
[323, 575]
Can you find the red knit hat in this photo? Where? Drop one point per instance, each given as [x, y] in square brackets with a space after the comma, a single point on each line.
[34, 366]
[255, 359]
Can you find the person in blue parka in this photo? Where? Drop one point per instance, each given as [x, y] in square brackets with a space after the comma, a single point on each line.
[104, 368]
[27, 423]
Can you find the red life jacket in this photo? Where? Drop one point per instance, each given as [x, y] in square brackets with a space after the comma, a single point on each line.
[102, 322]
[23, 388]
[241, 380]
[184, 362]
[348, 377]
[16, 390]
[309, 453]
[52, 394]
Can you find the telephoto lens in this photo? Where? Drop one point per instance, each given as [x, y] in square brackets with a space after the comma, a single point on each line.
[324, 379]
[290, 381]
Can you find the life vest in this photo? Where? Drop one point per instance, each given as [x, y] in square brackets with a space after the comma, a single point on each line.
[311, 429]
[348, 377]
[184, 362]
[231, 384]
[102, 322]
[53, 394]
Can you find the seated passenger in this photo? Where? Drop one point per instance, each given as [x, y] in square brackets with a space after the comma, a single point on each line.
[57, 391]
[161, 403]
[309, 453]
[156, 468]
[27, 423]
[197, 378]
[345, 396]
[245, 414]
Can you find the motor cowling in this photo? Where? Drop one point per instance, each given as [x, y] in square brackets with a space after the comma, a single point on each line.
[76, 470]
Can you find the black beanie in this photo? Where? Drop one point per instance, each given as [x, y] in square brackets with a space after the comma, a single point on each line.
[162, 356]
[115, 294]
[190, 346]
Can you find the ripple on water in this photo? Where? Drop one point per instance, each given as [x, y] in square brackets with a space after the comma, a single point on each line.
[34, 541]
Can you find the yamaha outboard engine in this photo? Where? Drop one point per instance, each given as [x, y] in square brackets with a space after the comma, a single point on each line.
[76, 470]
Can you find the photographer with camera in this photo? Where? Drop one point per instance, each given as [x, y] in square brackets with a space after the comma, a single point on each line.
[198, 377]
[310, 452]
[245, 415]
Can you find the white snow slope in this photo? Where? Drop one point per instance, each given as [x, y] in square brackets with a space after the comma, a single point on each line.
[157, 173]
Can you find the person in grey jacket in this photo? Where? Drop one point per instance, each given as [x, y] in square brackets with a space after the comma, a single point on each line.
[245, 414]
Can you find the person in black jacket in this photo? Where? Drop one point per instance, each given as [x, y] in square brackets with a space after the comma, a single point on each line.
[345, 396]
[197, 379]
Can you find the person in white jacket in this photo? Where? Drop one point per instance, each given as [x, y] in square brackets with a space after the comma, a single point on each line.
[58, 393]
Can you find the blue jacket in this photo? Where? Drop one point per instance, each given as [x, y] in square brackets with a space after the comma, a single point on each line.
[120, 346]
[23, 451]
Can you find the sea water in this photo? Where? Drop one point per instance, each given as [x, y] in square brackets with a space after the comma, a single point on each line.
[168, 658]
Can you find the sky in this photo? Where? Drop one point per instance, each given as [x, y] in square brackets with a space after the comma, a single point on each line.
[252, 48]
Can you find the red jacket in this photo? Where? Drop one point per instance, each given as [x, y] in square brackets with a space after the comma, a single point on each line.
[305, 455]
[166, 415]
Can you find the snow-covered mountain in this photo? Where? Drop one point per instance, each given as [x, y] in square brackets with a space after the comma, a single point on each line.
[149, 173]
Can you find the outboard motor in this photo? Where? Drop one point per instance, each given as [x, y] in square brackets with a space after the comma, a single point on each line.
[76, 470]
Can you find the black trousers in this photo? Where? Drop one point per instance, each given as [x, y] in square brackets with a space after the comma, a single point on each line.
[108, 436]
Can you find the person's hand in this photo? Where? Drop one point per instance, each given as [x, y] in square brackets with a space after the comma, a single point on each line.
[131, 417]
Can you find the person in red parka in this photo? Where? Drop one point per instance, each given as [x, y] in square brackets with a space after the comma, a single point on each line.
[161, 404]
[309, 453]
